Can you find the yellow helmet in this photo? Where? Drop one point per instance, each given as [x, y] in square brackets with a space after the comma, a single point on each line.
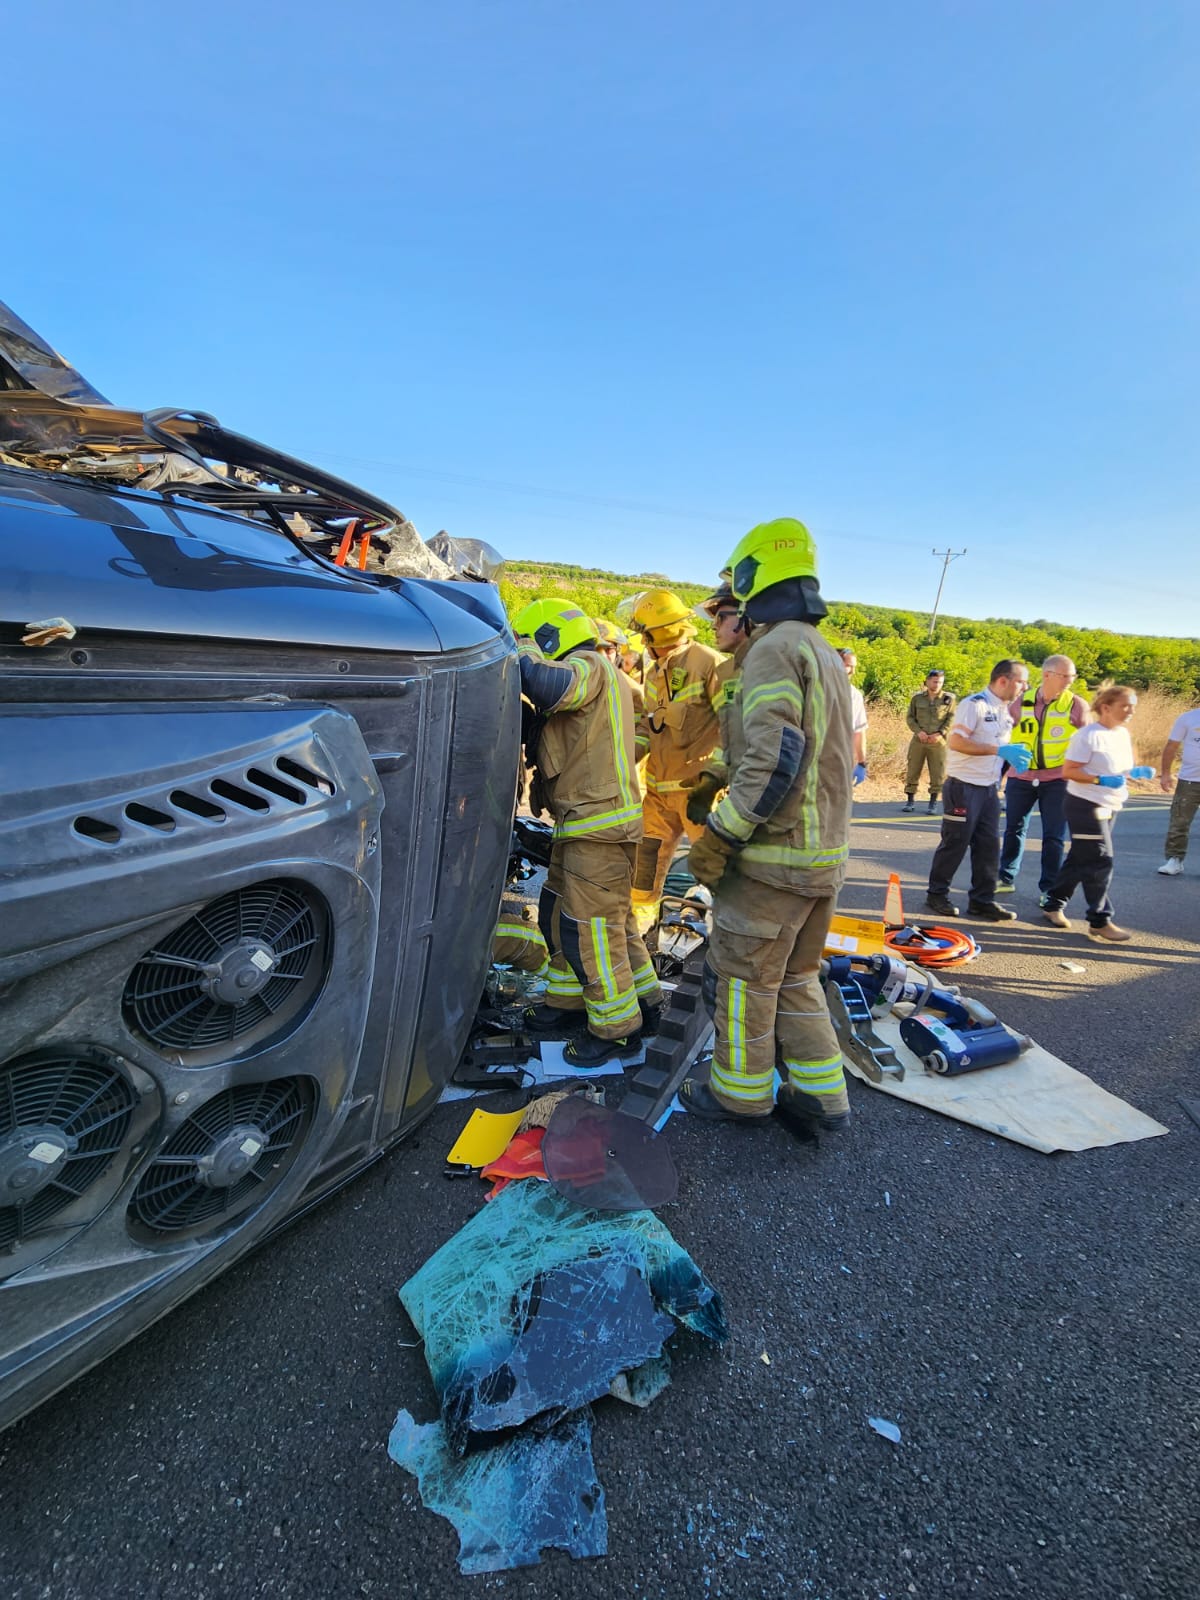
[659, 608]
[608, 633]
[770, 553]
[555, 626]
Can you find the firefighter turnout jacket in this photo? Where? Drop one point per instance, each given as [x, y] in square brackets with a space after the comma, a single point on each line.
[678, 728]
[729, 687]
[789, 751]
[583, 746]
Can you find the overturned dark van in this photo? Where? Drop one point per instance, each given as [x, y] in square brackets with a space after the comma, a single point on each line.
[258, 755]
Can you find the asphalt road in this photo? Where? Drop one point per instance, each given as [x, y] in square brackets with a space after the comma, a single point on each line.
[1029, 1322]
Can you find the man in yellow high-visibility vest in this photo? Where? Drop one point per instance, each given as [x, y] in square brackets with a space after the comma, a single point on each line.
[1049, 716]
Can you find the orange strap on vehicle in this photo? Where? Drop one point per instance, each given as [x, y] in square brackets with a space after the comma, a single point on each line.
[339, 560]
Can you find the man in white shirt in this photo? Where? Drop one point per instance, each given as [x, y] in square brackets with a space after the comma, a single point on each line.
[978, 745]
[858, 716]
[1185, 743]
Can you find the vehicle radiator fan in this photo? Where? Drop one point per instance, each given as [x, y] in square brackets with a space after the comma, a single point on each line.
[238, 972]
[227, 1155]
[63, 1118]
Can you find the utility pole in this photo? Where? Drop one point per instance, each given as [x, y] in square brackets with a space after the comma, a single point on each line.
[947, 557]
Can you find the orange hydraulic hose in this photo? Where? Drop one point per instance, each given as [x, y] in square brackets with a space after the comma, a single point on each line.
[931, 945]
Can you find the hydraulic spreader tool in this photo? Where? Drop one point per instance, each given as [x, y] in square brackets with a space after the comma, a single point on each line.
[946, 1032]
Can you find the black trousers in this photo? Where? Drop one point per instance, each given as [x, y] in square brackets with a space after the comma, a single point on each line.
[1089, 862]
[970, 820]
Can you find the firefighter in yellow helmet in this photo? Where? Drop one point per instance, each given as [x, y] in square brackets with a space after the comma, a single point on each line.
[613, 642]
[677, 735]
[731, 633]
[774, 849]
[581, 745]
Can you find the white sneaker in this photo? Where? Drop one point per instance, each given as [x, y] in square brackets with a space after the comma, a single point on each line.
[1171, 867]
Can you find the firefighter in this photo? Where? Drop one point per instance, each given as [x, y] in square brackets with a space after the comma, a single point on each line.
[774, 849]
[613, 642]
[677, 734]
[731, 633]
[581, 745]
[517, 942]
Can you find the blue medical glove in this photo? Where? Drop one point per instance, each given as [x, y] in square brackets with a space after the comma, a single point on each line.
[1017, 756]
[1112, 780]
[1141, 772]
[860, 773]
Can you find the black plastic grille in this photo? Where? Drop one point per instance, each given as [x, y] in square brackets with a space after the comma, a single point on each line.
[172, 1194]
[86, 1098]
[167, 997]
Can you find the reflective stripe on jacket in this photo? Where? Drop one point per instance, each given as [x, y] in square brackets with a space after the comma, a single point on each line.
[789, 751]
[584, 753]
[678, 728]
[1048, 739]
[729, 688]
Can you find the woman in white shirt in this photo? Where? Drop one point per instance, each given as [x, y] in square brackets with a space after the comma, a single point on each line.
[1098, 758]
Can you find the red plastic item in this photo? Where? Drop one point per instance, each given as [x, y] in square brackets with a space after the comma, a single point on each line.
[522, 1159]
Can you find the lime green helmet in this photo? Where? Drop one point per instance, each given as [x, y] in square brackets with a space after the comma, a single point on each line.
[555, 626]
[770, 553]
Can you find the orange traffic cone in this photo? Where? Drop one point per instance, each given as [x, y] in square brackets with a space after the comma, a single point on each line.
[893, 905]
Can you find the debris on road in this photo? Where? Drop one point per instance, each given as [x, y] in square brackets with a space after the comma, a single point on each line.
[534, 1309]
[606, 1160]
[485, 1136]
[536, 1491]
[1072, 966]
[885, 1429]
[522, 1159]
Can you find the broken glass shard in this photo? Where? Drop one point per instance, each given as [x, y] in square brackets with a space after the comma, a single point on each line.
[470, 1301]
[573, 1330]
[534, 1491]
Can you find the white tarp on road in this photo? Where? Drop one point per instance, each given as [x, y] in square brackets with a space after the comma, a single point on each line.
[1036, 1100]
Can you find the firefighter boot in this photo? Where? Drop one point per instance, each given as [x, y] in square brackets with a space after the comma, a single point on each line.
[807, 1112]
[589, 1050]
[554, 1023]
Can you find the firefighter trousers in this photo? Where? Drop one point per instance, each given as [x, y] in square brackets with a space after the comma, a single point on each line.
[765, 955]
[664, 824]
[598, 962]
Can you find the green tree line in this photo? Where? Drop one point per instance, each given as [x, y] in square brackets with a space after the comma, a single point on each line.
[894, 648]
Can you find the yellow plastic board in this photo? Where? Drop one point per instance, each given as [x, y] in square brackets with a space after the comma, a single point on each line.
[855, 936]
[486, 1136]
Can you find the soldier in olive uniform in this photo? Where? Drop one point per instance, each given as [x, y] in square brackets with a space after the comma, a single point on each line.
[930, 713]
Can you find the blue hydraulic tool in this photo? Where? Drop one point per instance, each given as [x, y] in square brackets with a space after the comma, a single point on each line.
[949, 1034]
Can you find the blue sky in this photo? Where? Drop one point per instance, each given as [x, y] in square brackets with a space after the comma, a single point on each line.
[610, 282]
